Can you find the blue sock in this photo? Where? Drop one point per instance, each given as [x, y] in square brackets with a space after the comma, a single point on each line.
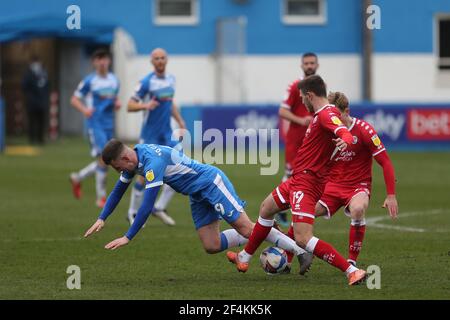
[223, 242]
[138, 186]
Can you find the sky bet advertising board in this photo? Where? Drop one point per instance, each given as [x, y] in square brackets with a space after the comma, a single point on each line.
[401, 127]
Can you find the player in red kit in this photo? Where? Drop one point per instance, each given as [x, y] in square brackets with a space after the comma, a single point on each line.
[293, 110]
[350, 178]
[325, 133]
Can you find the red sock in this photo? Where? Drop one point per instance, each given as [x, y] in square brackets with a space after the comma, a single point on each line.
[356, 237]
[327, 253]
[259, 234]
[290, 234]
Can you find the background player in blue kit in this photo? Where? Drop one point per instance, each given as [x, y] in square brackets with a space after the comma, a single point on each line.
[154, 95]
[96, 98]
[212, 196]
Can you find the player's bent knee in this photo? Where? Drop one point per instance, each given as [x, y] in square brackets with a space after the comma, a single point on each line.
[357, 212]
[211, 249]
[302, 241]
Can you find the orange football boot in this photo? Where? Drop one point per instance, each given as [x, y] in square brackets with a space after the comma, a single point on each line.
[76, 187]
[101, 202]
[233, 257]
[356, 277]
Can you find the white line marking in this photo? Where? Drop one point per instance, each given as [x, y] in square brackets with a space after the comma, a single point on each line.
[373, 221]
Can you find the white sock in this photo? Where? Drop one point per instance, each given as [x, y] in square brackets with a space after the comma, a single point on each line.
[282, 241]
[164, 198]
[350, 269]
[265, 222]
[87, 171]
[231, 238]
[136, 199]
[100, 182]
[311, 245]
[244, 256]
[358, 223]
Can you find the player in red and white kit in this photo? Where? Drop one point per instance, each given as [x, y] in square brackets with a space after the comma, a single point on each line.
[325, 133]
[350, 179]
[293, 110]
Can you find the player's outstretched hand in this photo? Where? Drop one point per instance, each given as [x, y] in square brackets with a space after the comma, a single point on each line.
[119, 242]
[340, 144]
[96, 227]
[392, 206]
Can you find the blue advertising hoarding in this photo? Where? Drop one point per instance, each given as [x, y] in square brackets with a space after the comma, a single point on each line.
[401, 127]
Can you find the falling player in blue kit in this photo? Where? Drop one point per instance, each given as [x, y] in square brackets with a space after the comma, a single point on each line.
[154, 95]
[96, 98]
[212, 196]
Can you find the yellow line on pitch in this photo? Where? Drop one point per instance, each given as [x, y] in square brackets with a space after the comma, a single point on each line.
[22, 151]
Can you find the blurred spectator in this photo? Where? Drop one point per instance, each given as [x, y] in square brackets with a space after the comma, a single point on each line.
[36, 91]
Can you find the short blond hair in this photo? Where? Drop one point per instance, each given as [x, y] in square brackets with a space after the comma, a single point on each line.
[338, 99]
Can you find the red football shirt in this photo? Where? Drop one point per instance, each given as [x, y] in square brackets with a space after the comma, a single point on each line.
[294, 103]
[315, 153]
[354, 165]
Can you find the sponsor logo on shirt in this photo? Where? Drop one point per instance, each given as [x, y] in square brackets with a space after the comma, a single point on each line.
[336, 120]
[345, 156]
[376, 140]
[149, 175]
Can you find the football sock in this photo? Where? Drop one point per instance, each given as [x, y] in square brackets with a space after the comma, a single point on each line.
[284, 242]
[231, 238]
[136, 198]
[164, 198]
[356, 237]
[244, 256]
[87, 171]
[260, 232]
[290, 234]
[350, 269]
[100, 181]
[327, 253]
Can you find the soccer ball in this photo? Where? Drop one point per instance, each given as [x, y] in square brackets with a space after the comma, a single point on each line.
[273, 260]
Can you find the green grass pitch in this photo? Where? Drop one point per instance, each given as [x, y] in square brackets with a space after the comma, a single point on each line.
[42, 224]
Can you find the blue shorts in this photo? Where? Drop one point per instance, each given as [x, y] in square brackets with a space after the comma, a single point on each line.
[162, 139]
[218, 201]
[98, 139]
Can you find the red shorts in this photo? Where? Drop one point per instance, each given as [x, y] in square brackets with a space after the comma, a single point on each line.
[336, 196]
[300, 195]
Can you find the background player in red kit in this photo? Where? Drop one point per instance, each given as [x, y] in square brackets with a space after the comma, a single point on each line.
[350, 178]
[294, 111]
[306, 186]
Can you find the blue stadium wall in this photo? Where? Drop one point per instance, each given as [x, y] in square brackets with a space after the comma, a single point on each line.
[406, 25]
[405, 74]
